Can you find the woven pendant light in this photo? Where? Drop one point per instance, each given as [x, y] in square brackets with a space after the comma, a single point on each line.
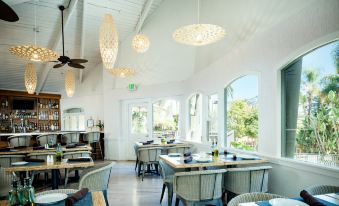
[30, 78]
[70, 83]
[108, 42]
[140, 43]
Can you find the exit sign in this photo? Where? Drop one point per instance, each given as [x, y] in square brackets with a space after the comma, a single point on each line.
[132, 87]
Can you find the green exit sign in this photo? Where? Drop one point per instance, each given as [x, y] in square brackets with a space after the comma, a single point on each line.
[132, 87]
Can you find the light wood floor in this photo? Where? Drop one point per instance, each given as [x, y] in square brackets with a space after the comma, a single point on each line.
[125, 188]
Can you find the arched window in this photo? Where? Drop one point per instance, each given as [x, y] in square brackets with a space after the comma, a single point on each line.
[74, 119]
[310, 105]
[241, 97]
[166, 118]
[212, 119]
[195, 117]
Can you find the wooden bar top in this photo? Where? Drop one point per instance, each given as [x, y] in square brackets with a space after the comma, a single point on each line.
[29, 150]
[178, 162]
[48, 166]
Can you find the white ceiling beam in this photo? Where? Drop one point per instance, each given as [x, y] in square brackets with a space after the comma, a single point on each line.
[144, 14]
[82, 41]
[15, 2]
[46, 68]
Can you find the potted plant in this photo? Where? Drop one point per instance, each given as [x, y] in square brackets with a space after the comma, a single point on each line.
[100, 125]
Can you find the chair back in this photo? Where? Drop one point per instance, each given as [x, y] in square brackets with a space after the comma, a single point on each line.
[166, 171]
[179, 149]
[41, 155]
[252, 197]
[71, 155]
[19, 140]
[91, 137]
[149, 154]
[68, 138]
[97, 180]
[247, 179]
[46, 138]
[322, 189]
[5, 182]
[6, 160]
[199, 185]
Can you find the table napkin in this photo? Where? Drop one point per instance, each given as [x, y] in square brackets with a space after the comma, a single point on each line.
[309, 199]
[76, 197]
[80, 159]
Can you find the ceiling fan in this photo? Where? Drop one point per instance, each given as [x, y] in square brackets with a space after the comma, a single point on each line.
[7, 13]
[75, 63]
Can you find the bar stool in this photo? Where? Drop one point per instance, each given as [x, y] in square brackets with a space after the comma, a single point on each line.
[93, 138]
[69, 138]
[19, 140]
[46, 138]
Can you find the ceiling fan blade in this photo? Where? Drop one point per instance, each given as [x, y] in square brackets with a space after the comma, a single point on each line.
[77, 61]
[58, 65]
[54, 61]
[78, 66]
[7, 13]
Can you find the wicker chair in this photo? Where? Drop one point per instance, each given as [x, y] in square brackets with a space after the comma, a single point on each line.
[6, 160]
[19, 140]
[136, 147]
[179, 149]
[46, 138]
[43, 156]
[246, 179]
[252, 197]
[68, 138]
[93, 138]
[71, 155]
[5, 183]
[167, 174]
[147, 157]
[199, 187]
[97, 180]
[322, 189]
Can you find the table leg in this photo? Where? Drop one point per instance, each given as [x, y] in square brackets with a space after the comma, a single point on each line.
[55, 179]
[76, 174]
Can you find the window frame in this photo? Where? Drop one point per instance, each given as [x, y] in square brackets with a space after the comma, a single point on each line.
[188, 130]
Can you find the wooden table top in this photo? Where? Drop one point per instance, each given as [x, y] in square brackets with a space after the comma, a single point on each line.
[29, 150]
[36, 166]
[159, 144]
[178, 162]
[332, 198]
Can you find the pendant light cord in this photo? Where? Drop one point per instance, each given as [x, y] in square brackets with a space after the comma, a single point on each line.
[35, 27]
[62, 29]
[198, 11]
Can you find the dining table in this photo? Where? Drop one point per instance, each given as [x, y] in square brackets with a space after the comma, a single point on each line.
[54, 167]
[178, 162]
[28, 150]
[95, 198]
[330, 199]
[159, 144]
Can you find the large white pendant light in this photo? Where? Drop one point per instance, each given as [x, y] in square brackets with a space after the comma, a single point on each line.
[34, 52]
[140, 43]
[69, 83]
[109, 42]
[199, 34]
[30, 78]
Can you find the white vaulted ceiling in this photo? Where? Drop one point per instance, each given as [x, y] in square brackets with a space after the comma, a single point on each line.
[85, 16]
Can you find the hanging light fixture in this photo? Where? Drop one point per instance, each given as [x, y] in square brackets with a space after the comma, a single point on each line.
[108, 42]
[140, 43]
[199, 34]
[69, 83]
[122, 72]
[34, 52]
[30, 78]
